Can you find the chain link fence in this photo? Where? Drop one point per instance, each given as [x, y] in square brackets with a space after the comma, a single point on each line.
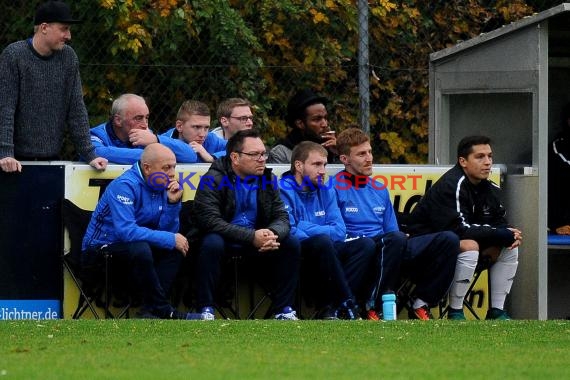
[171, 50]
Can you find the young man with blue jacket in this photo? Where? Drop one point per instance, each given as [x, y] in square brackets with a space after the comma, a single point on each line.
[337, 270]
[192, 131]
[367, 210]
[122, 139]
[136, 219]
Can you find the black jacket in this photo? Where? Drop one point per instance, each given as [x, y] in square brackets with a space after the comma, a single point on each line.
[559, 182]
[215, 204]
[455, 204]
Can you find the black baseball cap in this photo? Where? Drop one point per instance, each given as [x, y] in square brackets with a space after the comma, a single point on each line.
[54, 11]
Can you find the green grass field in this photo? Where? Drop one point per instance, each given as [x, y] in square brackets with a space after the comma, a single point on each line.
[143, 349]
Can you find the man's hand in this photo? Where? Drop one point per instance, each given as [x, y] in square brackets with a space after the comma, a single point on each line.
[330, 141]
[142, 137]
[174, 192]
[563, 230]
[201, 151]
[181, 243]
[518, 237]
[10, 164]
[99, 163]
[265, 240]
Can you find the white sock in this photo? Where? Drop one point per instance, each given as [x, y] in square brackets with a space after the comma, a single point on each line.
[418, 302]
[502, 274]
[464, 269]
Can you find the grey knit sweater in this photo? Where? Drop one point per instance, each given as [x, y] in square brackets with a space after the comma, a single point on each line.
[39, 98]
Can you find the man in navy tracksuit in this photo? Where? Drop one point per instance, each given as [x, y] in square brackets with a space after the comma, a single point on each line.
[368, 212]
[137, 220]
[122, 139]
[191, 131]
[338, 270]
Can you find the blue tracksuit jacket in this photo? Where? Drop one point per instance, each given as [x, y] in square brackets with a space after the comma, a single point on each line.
[130, 210]
[366, 209]
[108, 145]
[213, 144]
[311, 212]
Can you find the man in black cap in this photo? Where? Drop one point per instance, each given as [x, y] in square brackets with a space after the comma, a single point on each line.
[308, 119]
[41, 95]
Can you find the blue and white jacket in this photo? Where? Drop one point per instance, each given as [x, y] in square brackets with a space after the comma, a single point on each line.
[311, 212]
[108, 145]
[131, 210]
[213, 144]
[366, 209]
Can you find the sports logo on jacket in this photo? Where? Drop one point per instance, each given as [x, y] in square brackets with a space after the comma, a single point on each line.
[351, 208]
[124, 200]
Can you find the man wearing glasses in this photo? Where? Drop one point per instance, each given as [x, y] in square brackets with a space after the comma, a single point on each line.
[234, 114]
[121, 140]
[238, 211]
[191, 131]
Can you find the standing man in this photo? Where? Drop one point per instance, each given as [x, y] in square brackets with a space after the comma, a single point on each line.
[191, 130]
[308, 119]
[339, 271]
[367, 211]
[137, 220]
[237, 210]
[466, 202]
[234, 114]
[41, 95]
[122, 139]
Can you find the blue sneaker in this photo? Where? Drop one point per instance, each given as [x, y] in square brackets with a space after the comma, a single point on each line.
[287, 314]
[456, 314]
[207, 313]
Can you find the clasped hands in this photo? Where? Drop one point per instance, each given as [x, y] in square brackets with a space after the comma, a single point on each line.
[265, 240]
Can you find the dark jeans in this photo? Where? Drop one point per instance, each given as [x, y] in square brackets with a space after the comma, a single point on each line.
[279, 269]
[429, 261]
[358, 258]
[151, 270]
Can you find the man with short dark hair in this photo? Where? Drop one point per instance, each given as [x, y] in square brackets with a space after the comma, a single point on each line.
[464, 200]
[237, 210]
[308, 119]
[41, 94]
[234, 115]
[367, 210]
[338, 273]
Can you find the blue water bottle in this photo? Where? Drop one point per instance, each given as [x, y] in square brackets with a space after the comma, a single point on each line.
[389, 306]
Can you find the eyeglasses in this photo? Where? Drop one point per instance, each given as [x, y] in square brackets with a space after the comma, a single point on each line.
[243, 119]
[256, 155]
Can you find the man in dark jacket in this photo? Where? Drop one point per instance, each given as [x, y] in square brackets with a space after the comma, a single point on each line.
[466, 202]
[237, 209]
[559, 178]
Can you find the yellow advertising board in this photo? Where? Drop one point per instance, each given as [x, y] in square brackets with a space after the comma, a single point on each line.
[406, 184]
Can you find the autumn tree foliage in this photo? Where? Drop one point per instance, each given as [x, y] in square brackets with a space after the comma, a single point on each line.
[265, 50]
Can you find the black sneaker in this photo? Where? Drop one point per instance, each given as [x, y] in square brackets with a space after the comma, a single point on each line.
[328, 313]
[348, 310]
[175, 314]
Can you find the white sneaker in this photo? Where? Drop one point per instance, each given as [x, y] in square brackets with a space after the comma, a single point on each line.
[288, 314]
